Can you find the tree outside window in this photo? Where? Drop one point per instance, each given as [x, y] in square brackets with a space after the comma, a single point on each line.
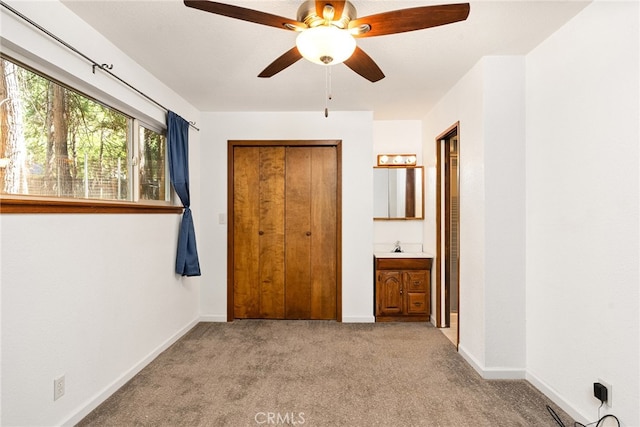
[57, 142]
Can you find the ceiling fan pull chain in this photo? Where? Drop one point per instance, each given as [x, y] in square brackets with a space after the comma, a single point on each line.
[330, 90]
[327, 94]
[327, 90]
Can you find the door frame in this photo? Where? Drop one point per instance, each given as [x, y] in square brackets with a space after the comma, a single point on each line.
[231, 144]
[448, 133]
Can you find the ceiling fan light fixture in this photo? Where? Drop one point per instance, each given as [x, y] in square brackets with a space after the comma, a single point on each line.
[326, 45]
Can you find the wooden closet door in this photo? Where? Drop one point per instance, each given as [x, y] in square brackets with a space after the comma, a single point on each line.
[259, 240]
[311, 233]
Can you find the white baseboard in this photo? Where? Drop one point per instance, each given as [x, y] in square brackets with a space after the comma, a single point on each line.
[95, 401]
[475, 364]
[358, 319]
[504, 374]
[517, 374]
[345, 319]
[491, 373]
[555, 398]
[213, 318]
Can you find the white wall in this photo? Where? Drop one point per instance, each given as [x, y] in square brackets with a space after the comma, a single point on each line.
[489, 104]
[93, 297]
[464, 103]
[398, 137]
[582, 211]
[355, 131]
[504, 174]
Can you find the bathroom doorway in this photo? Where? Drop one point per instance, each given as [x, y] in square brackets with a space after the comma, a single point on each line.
[448, 233]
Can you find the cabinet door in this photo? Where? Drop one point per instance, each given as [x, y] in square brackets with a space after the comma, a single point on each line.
[389, 293]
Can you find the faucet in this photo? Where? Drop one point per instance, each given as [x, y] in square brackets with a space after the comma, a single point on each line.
[396, 247]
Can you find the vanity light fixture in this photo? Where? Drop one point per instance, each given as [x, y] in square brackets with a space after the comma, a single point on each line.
[397, 160]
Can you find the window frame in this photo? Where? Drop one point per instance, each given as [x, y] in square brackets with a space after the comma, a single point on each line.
[135, 160]
[16, 203]
[38, 205]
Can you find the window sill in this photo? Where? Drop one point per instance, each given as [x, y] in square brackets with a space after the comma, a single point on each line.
[19, 205]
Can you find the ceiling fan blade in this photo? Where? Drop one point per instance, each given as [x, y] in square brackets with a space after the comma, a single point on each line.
[416, 18]
[288, 58]
[362, 64]
[338, 5]
[245, 14]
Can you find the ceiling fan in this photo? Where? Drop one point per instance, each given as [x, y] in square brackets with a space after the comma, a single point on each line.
[328, 27]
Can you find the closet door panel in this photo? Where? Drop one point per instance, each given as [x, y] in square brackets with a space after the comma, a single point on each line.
[283, 256]
[271, 233]
[298, 233]
[323, 232]
[246, 202]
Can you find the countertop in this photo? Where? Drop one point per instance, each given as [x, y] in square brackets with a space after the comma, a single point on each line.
[402, 255]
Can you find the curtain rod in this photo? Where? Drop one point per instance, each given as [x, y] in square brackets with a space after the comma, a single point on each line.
[104, 67]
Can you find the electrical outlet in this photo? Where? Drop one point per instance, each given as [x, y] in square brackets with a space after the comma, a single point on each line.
[58, 387]
[609, 400]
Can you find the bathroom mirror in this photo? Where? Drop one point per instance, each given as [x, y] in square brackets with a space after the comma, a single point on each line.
[398, 193]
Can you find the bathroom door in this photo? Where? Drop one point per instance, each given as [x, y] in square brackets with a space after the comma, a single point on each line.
[448, 233]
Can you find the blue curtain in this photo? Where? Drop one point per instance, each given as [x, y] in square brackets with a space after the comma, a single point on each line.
[187, 263]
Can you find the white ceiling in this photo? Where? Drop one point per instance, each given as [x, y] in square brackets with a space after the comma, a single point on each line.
[213, 61]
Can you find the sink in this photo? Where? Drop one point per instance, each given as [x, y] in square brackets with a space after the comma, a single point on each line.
[402, 255]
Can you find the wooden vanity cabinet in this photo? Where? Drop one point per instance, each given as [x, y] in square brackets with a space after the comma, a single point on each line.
[402, 288]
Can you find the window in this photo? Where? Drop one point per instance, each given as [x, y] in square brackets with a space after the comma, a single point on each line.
[56, 142]
[153, 161]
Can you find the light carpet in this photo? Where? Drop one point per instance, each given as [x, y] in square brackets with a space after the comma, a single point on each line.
[318, 373]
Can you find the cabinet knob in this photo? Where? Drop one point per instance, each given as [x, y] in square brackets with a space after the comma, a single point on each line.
[308, 233]
[261, 232]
